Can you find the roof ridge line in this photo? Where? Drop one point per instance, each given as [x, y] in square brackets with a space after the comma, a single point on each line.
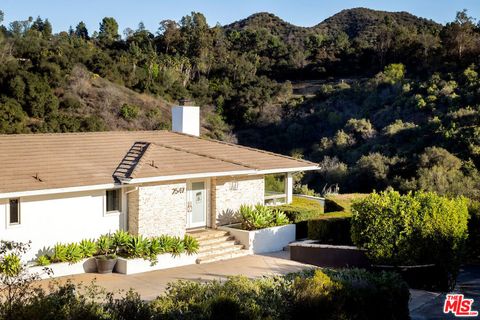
[245, 147]
[206, 155]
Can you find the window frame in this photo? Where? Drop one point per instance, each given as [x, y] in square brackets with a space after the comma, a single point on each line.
[120, 203]
[276, 199]
[8, 223]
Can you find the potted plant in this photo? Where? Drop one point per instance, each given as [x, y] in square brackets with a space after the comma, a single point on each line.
[107, 258]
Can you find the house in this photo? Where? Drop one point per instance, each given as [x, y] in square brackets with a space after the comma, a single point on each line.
[70, 186]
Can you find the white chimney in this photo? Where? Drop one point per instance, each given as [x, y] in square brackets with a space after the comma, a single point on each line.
[186, 119]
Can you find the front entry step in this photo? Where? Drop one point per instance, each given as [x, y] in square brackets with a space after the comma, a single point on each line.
[216, 245]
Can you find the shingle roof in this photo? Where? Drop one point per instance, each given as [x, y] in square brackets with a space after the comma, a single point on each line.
[50, 161]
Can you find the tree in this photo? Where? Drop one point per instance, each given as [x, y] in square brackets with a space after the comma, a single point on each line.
[81, 30]
[459, 37]
[108, 31]
[12, 117]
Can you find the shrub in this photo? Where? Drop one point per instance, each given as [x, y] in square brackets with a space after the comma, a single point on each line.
[129, 111]
[350, 294]
[330, 230]
[191, 244]
[411, 229]
[300, 211]
[260, 217]
[473, 242]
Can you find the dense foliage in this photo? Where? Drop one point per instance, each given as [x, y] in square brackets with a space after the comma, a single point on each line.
[394, 101]
[412, 229]
[342, 294]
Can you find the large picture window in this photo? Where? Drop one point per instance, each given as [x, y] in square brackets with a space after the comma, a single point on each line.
[275, 189]
[114, 200]
[14, 212]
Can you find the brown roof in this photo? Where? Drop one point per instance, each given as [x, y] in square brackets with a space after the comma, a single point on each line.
[48, 161]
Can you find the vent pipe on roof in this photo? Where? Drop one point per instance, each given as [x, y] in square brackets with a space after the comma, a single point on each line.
[186, 118]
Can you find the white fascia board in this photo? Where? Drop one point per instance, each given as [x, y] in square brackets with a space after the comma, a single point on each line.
[57, 190]
[287, 170]
[190, 176]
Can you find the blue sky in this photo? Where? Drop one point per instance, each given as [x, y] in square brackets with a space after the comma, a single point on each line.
[64, 13]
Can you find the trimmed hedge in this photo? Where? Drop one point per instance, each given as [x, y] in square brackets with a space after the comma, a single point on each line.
[473, 242]
[334, 230]
[300, 211]
[413, 229]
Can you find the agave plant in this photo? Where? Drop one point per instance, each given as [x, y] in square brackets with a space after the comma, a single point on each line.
[191, 244]
[280, 218]
[138, 247]
[121, 240]
[88, 248]
[59, 253]
[178, 246]
[166, 243]
[43, 260]
[105, 245]
[155, 247]
[73, 253]
[260, 216]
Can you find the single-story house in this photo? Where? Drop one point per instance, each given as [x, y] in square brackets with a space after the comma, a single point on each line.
[69, 186]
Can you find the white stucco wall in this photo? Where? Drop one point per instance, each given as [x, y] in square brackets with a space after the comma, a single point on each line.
[46, 220]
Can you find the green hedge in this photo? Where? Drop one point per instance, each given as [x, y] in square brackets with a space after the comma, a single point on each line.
[300, 211]
[335, 230]
[413, 229]
[473, 242]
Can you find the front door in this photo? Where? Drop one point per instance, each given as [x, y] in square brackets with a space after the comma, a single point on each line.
[197, 204]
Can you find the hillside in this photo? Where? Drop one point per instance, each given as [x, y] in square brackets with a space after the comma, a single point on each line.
[358, 20]
[378, 98]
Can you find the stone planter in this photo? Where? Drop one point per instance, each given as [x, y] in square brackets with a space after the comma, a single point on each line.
[329, 256]
[66, 269]
[165, 261]
[263, 240]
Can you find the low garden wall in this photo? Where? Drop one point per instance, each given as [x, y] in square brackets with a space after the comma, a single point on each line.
[324, 255]
[263, 240]
[65, 268]
[164, 261]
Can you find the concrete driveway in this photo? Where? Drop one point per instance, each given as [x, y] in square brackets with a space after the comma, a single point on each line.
[151, 284]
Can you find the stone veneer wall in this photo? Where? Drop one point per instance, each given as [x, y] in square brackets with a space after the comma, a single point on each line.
[230, 193]
[154, 210]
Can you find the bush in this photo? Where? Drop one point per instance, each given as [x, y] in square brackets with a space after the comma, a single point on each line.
[473, 242]
[330, 230]
[300, 211]
[260, 217]
[350, 294]
[412, 229]
[129, 112]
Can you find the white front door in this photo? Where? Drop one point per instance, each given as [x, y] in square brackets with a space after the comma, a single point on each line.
[197, 204]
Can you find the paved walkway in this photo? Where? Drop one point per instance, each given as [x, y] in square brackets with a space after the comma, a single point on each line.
[151, 284]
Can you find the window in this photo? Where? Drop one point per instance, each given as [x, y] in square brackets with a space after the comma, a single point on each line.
[275, 189]
[114, 200]
[14, 212]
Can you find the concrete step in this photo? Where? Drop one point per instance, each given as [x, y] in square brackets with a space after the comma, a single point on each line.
[208, 234]
[221, 250]
[213, 241]
[218, 257]
[217, 245]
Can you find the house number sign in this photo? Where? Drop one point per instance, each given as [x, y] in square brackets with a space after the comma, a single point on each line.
[178, 190]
